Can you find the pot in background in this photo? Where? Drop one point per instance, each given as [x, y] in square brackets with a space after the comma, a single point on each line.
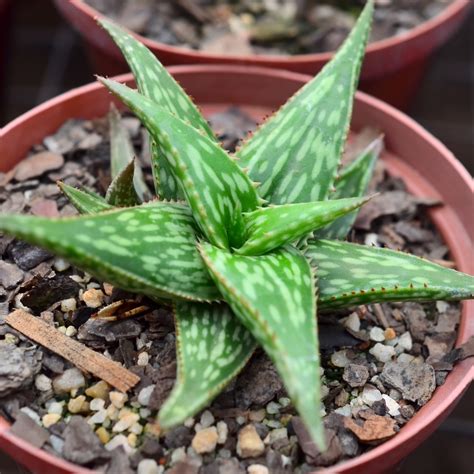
[392, 71]
[427, 167]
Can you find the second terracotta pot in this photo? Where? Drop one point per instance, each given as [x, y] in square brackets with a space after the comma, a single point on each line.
[392, 70]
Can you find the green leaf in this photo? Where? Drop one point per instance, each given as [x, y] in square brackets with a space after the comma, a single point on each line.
[295, 154]
[121, 152]
[154, 81]
[121, 192]
[352, 182]
[148, 249]
[351, 274]
[214, 185]
[84, 200]
[212, 348]
[271, 227]
[274, 296]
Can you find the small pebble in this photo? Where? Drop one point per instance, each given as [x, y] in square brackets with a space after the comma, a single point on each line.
[125, 422]
[355, 375]
[61, 265]
[68, 304]
[148, 466]
[273, 408]
[118, 399]
[377, 334]
[71, 331]
[177, 456]
[277, 434]
[207, 419]
[103, 435]
[344, 411]
[284, 401]
[392, 406]
[222, 432]
[205, 441]
[71, 379]
[382, 352]
[249, 443]
[353, 322]
[257, 415]
[75, 404]
[99, 390]
[62, 329]
[93, 298]
[257, 469]
[143, 359]
[57, 443]
[119, 440]
[189, 422]
[405, 358]
[97, 418]
[145, 395]
[132, 439]
[136, 428]
[370, 395]
[405, 342]
[97, 404]
[390, 334]
[240, 419]
[339, 359]
[43, 383]
[55, 407]
[112, 413]
[108, 289]
[32, 414]
[50, 419]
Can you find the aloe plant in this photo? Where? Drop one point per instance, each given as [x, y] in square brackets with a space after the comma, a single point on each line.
[244, 248]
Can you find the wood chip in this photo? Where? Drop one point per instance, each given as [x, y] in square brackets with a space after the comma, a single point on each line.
[81, 356]
[374, 428]
[380, 315]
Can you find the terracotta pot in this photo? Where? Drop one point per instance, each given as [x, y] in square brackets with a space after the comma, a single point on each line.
[427, 167]
[392, 71]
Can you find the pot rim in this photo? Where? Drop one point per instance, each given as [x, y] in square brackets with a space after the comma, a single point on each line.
[462, 374]
[423, 28]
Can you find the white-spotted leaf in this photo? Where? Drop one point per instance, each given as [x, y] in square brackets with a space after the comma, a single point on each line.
[295, 154]
[274, 297]
[150, 249]
[122, 152]
[271, 227]
[351, 274]
[85, 201]
[155, 82]
[353, 181]
[212, 347]
[213, 184]
[121, 192]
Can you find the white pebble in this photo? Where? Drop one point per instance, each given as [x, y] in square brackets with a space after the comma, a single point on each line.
[97, 404]
[57, 443]
[125, 422]
[405, 358]
[273, 408]
[71, 379]
[145, 395]
[405, 342]
[98, 417]
[148, 466]
[382, 352]
[56, 408]
[339, 359]
[344, 411]
[119, 440]
[370, 395]
[377, 334]
[392, 406]
[207, 419]
[43, 383]
[118, 399]
[71, 331]
[222, 432]
[189, 422]
[178, 455]
[371, 239]
[61, 265]
[257, 469]
[353, 322]
[136, 428]
[442, 306]
[32, 414]
[143, 359]
[68, 304]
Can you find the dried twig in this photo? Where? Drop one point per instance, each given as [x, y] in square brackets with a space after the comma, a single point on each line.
[380, 315]
[81, 356]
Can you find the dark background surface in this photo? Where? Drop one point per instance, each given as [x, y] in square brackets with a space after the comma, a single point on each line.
[45, 58]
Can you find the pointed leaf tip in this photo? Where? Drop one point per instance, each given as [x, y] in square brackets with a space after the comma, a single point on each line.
[295, 154]
[274, 297]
